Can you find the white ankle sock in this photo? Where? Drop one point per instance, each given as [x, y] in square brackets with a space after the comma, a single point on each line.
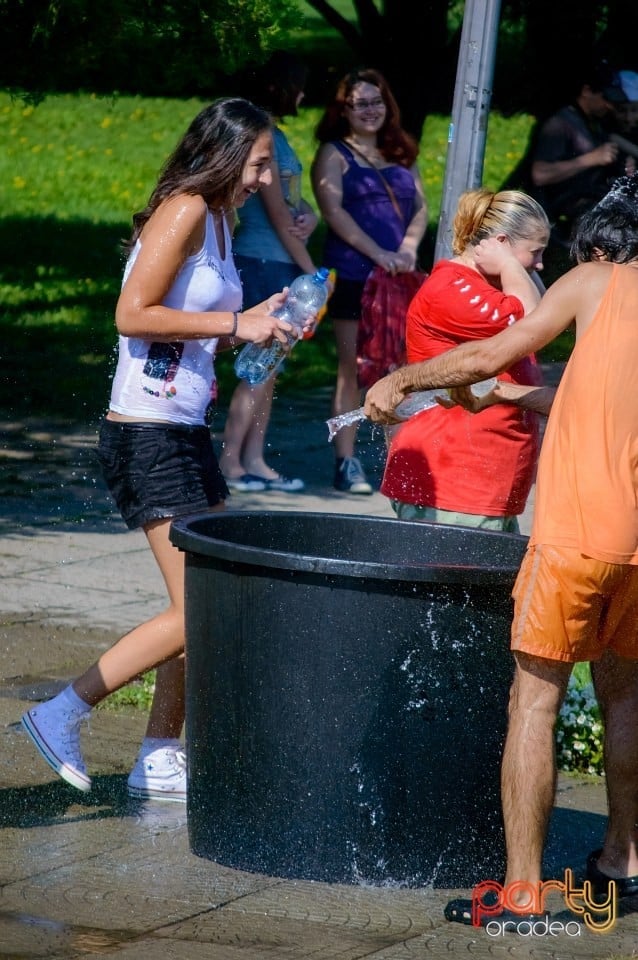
[149, 744]
[70, 697]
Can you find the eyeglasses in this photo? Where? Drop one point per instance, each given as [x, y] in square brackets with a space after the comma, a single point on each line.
[360, 105]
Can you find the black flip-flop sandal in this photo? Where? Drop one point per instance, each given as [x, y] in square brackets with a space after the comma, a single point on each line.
[460, 911]
[625, 886]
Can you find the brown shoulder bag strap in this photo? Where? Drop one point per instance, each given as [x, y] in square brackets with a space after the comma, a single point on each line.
[390, 191]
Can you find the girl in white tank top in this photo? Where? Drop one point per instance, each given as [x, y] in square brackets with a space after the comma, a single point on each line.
[180, 298]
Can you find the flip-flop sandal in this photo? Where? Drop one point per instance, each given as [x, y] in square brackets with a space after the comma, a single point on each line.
[285, 484]
[247, 483]
[625, 886]
[460, 911]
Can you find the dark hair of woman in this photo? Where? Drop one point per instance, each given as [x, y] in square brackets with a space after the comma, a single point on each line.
[276, 84]
[395, 143]
[209, 159]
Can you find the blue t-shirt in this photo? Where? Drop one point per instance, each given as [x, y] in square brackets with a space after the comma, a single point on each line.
[255, 235]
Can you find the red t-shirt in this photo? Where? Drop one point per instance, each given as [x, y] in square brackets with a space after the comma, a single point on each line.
[470, 463]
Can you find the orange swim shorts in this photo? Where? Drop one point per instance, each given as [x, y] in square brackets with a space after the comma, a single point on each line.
[571, 607]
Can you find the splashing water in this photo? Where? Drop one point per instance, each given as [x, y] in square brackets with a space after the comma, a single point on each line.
[414, 403]
[335, 424]
[624, 188]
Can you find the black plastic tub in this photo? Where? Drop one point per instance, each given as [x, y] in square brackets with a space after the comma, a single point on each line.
[346, 690]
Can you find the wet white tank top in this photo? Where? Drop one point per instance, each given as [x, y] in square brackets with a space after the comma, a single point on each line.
[176, 381]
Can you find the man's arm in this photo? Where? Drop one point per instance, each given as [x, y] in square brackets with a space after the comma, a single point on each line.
[545, 172]
[577, 291]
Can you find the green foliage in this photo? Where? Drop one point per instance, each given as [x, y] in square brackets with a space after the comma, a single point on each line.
[192, 47]
[579, 731]
[86, 157]
[138, 694]
[171, 48]
[248, 29]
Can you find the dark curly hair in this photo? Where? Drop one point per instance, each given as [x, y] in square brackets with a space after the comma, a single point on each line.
[610, 229]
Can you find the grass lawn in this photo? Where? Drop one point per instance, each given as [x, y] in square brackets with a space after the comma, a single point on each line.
[73, 170]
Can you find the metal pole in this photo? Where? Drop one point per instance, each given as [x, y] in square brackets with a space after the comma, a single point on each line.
[470, 110]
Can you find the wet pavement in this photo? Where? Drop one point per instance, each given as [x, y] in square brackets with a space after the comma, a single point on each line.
[95, 874]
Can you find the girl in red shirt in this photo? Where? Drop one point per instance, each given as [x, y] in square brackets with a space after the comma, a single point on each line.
[451, 466]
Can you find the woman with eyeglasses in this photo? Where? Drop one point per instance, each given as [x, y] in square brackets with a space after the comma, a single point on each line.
[369, 192]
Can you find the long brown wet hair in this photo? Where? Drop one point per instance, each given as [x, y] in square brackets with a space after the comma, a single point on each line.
[209, 159]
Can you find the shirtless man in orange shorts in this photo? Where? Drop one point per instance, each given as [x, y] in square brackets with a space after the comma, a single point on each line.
[576, 595]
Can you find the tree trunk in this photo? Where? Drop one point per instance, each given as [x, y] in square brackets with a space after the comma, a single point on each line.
[411, 49]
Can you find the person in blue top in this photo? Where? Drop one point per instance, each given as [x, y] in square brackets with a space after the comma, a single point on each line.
[269, 249]
[369, 192]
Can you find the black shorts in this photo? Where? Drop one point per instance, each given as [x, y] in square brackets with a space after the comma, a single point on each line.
[158, 471]
[345, 302]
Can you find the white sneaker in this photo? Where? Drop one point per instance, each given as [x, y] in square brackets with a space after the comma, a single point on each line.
[350, 476]
[55, 730]
[160, 775]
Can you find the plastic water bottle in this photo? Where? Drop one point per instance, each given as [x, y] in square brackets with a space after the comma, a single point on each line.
[417, 402]
[306, 296]
[424, 399]
[414, 403]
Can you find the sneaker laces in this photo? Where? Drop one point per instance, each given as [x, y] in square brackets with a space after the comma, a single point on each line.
[354, 471]
[174, 760]
[69, 738]
[179, 758]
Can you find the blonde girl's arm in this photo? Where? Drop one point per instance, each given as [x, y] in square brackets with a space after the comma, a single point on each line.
[494, 257]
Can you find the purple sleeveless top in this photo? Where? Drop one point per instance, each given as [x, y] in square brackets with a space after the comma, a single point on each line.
[367, 201]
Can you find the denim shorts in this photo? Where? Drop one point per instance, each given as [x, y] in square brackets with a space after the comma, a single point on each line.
[261, 278]
[159, 471]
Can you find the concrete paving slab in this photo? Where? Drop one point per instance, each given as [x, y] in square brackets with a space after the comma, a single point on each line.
[35, 648]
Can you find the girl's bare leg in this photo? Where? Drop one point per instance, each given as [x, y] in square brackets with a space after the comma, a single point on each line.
[152, 643]
[245, 431]
[159, 642]
[253, 459]
[166, 718]
[347, 395]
